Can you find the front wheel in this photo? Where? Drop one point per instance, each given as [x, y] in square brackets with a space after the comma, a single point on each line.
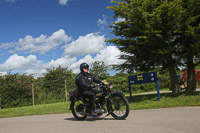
[118, 106]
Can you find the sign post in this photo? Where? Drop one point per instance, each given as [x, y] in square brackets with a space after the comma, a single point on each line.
[143, 78]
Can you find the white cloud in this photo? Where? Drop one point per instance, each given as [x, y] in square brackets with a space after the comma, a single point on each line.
[90, 48]
[90, 44]
[63, 2]
[37, 72]
[65, 61]
[7, 45]
[76, 65]
[102, 22]
[31, 65]
[19, 62]
[119, 20]
[3, 73]
[41, 44]
[109, 56]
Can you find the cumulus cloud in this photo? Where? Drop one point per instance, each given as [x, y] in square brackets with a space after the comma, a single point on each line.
[76, 65]
[63, 2]
[31, 65]
[19, 62]
[90, 44]
[41, 44]
[109, 55]
[65, 61]
[88, 48]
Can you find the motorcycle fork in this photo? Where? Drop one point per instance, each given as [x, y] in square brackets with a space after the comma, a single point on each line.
[110, 98]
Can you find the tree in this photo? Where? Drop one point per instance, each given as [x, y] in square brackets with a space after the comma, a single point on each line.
[119, 81]
[150, 35]
[15, 90]
[99, 70]
[189, 34]
[54, 82]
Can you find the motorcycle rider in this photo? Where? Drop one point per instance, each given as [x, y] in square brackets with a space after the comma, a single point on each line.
[84, 82]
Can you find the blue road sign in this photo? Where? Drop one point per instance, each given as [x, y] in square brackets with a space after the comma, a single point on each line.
[143, 78]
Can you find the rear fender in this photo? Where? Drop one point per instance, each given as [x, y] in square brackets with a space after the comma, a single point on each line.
[72, 101]
[71, 105]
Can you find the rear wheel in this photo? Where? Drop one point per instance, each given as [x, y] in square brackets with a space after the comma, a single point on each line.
[118, 106]
[78, 109]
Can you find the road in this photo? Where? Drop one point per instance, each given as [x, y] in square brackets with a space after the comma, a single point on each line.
[167, 120]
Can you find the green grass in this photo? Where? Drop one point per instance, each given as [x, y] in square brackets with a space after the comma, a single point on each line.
[53, 108]
[149, 101]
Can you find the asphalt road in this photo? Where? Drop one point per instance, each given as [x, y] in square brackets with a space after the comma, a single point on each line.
[167, 120]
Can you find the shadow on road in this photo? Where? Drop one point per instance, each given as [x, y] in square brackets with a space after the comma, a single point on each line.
[89, 119]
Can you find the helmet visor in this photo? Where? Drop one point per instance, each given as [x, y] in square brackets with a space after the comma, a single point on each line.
[85, 67]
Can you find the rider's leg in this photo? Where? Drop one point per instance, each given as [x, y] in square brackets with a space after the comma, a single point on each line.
[92, 98]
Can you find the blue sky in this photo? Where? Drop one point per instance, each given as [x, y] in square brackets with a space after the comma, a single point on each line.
[39, 34]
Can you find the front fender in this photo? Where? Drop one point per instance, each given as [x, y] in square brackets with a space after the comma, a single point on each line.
[118, 92]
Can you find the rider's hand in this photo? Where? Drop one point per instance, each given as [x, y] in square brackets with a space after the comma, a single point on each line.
[102, 83]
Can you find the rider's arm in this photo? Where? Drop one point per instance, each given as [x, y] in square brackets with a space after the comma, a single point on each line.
[82, 84]
[96, 80]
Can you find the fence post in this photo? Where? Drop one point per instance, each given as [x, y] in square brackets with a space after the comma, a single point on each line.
[66, 90]
[0, 102]
[33, 94]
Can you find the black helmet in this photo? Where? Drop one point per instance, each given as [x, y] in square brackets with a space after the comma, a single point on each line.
[83, 66]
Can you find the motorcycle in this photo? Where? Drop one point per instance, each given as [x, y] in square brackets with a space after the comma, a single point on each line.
[116, 103]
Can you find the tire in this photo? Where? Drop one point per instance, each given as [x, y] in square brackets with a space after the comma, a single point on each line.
[77, 107]
[118, 106]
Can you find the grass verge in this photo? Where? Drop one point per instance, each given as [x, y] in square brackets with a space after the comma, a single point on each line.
[52, 108]
[148, 101]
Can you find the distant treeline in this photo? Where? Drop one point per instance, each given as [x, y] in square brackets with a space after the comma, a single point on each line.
[16, 89]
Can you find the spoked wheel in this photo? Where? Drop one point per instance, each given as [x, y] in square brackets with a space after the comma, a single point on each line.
[118, 106]
[78, 109]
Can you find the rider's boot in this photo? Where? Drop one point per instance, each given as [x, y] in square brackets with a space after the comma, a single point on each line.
[93, 113]
[104, 110]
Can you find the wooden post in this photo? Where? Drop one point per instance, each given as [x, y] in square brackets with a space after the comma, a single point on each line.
[33, 94]
[66, 90]
[0, 102]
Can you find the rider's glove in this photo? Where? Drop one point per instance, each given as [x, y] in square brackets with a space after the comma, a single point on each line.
[102, 83]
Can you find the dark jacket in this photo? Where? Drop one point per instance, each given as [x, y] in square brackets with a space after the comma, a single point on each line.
[85, 80]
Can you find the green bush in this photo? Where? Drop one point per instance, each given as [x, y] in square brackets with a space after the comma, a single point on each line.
[15, 90]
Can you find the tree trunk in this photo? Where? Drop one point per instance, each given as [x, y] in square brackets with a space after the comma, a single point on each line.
[175, 86]
[191, 84]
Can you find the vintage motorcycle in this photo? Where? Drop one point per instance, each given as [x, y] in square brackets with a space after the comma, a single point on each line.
[116, 103]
